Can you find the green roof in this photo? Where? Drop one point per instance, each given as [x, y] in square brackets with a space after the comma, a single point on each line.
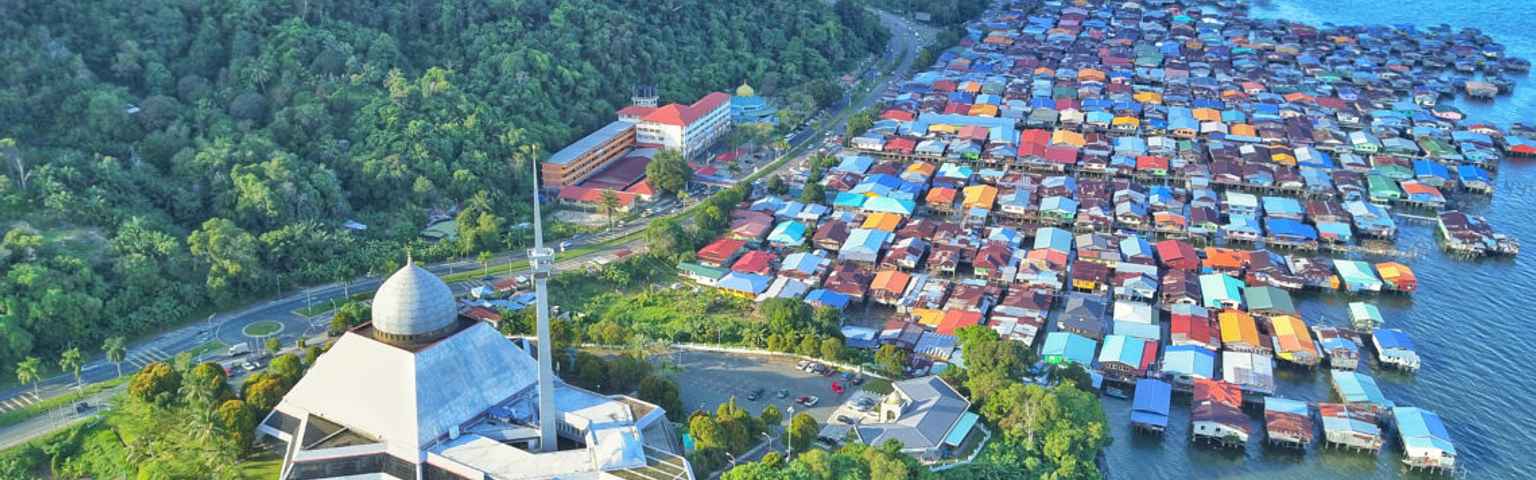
[694, 269]
[1269, 298]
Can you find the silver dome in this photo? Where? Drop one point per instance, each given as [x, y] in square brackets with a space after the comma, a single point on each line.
[413, 302]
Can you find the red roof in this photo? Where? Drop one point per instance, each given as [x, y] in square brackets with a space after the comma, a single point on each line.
[1196, 329]
[1146, 162]
[642, 188]
[593, 195]
[1178, 255]
[680, 115]
[899, 115]
[756, 261]
[730, 155]
[957, 319]
[1031, 149]
[721, 250]
[900, 144]
[957, 108]
[1035, 135]
[1061, 154]
[635, 111]
[944, 86]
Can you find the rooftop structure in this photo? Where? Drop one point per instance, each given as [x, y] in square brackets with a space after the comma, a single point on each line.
[925, 415]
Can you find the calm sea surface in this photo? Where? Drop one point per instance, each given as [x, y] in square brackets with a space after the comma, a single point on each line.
[1472, 321]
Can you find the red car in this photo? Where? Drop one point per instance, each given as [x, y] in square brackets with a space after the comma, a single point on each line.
[837, 388]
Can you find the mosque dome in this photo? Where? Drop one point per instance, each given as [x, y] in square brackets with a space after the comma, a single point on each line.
[413, 305]
[745, 90]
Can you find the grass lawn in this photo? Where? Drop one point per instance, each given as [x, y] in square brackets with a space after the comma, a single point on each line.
[206, 348]
[877, 385]
[263, 467]
[14, 417]
[262, 328]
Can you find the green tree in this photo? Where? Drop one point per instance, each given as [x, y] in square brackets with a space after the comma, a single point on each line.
[609, 205]
[30, 371]
[664, 393]
[230, 254]
[891, 360]
[238, 420]
[809, 346]
[813, 193]
[666, 237]
[288, 368]
[668, 172]
[71, 361]
[802, 432]
[154, 383]
[832, 349]
[485, 263]
[273, 344]
[771, 416]
[117, 351]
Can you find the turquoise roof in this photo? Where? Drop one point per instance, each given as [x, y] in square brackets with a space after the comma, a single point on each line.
[1422, 429]
[962, 428]
[1070, 346]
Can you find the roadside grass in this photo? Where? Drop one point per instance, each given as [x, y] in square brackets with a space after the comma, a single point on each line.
[332, 304]
[23, 414]
[206, 348]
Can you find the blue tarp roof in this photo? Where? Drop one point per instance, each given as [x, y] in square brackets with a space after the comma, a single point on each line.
[1071, 346]
[1290, 228]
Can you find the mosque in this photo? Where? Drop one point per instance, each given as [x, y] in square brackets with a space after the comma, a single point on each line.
[748, 108]
[421, 392]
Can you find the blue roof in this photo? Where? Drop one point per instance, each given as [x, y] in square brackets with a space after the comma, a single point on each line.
[1149, 332]
[1151, 402]
[1422, 429]
[804, 262]
[1071, 346]
[849, 200]
[890, 205]
[1286, 405]
[788, 233]
[1053, 238]
[865, 239]
[1289, 227]
[1282, 205]
[1392, 339]
[1190, 360]
[822, 296]
[1122, 349]
[1429, 168]
[745, 282]
[1472, 173]
[1356, 387]
[587, 143]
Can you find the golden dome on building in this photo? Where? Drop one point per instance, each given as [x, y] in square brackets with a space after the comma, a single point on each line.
[745, 90]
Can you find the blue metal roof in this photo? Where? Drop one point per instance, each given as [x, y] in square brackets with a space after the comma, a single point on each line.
[1422, 429]
[1151, 402]
[1122, 349]
[1190, 360]
[1071, 346]
[827, 298]
[1356, 387]
[1392, 339]
[587, 143]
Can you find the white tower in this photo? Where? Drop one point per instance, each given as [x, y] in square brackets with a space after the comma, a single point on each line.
[542, 261]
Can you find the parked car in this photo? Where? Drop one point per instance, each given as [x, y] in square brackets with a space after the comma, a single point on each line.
[783, 393]
[802, 364]
[808, 400]
[754, 395]
[843, 419]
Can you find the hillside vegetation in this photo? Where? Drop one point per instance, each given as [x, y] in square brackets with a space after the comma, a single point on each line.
[166, 156]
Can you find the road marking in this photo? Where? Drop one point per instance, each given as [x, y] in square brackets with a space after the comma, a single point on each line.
[24, 401]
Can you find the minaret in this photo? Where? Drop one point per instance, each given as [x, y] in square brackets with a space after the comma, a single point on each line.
[542, 261]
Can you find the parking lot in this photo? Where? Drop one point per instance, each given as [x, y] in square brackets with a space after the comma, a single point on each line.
[709, 378]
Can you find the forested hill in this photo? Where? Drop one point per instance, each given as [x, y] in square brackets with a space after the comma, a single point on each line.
[162, 156]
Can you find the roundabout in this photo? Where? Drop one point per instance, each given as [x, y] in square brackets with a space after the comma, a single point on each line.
[262, 329]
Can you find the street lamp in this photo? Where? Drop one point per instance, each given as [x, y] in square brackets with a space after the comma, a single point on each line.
[789, 433]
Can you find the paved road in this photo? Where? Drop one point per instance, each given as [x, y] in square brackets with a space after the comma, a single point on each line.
[227, 327]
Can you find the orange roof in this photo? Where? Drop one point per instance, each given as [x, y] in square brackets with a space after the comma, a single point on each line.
[1243, 129]
[1291, 336]
[682, 116]
[1217, 257]
[1218, 391]
[594, 196]
[1068, 137]
[923, 168]
[884, 221]
[942, 196]
[642, 188]
[891, 281]
[957, 319]
[1238, 327]
[980, 196]
[1207, 114]
[928, 316]
[983, 110]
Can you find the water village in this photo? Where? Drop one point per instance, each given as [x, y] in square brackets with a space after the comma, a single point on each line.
[1143, 189]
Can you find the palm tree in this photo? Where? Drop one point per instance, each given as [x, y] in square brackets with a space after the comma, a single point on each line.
[116, 351]
[30, 371]
[609, 205]
[485, 262]
[71, 361]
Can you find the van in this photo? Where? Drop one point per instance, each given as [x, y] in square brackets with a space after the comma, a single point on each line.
[239, 349]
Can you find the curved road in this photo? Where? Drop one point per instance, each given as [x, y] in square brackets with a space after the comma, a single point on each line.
[227, 327]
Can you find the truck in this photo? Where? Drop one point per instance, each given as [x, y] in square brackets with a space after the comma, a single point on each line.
[239, 349]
